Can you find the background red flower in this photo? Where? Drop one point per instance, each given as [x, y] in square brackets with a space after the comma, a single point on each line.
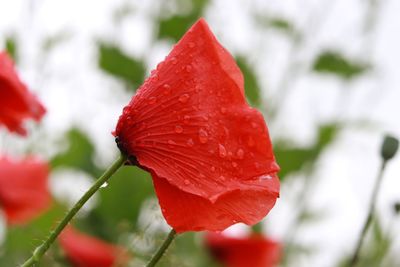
[208, 151]
[24, 192]
[87, 251]
[16, 102]
[255, 250]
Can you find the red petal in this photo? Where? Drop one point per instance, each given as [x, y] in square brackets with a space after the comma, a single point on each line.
[24, 192]
[254, 251]
[190, 122]
[188, 212]
[86, 251]
[16, 102]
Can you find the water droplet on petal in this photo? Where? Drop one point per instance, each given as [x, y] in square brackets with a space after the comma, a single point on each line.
[240, 153]
[191, 44]
[174, 60]
[190, 142]
[178, 129]
[265, 177]
[186, 182]
[152, 100]
[222, 178]
[212, 168]
[203, 136]
[223, 110]
[222, 151]
[167, 89]
[171, 142]
[186, 119]
[184, 98]
[188, 68]
[234, 164]
[254, 125]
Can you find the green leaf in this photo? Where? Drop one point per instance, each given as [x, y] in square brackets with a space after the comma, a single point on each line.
[252, 87]
[115, 62]
[78, 155]
[11, 47]
[174, 27]
[292, 159]
[332, 62]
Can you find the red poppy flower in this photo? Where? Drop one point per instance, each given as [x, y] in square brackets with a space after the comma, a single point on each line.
[16, 102]
[24, 192]
[254, 251]
[208, 151]
[87, 251]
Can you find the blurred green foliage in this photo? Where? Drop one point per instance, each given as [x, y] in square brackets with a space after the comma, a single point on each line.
[115, 62]
[78, 155]
[11, 47]
[251, 85]
[175, 26]
[292, 159]
[332, 62]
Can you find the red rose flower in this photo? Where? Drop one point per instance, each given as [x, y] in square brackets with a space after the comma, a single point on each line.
[254, 251]
[208, 151]
[24, 193]
[16, 102]
[87, 251]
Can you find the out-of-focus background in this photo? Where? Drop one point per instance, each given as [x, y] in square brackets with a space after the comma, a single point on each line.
[324, 73]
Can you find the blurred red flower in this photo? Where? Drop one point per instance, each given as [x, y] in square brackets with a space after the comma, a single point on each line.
[87, 251]
[24, 193]
[16, 102]
[208, 151]
[254, 251]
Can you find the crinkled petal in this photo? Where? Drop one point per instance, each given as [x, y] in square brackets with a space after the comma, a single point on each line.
[254, 250]
[87, 251]
[16, 102]
[188, 212]
[190, 123]
[24, 192]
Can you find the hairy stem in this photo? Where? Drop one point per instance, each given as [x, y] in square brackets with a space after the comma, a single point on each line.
[161, 250]
[41, 250]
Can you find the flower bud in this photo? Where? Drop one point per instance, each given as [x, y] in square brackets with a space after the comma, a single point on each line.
[389, 147]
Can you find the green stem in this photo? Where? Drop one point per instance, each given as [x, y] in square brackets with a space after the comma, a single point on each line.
[161, 250]
[354, 259]
[41, 250]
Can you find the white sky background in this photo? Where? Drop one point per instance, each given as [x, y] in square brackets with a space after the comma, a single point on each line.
[76, 92]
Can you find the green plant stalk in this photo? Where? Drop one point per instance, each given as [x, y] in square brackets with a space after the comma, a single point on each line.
[356, 255]
[161, 250]
[41, 250]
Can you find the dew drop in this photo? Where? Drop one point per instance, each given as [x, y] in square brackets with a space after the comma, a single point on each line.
[191, 44]
[254, 125]
[203, 136]
[186, 182]
[240, 153]
[223, 110]
[171, 142]
[174, 60]
[190, 142]
[178, 129]
[184, 98]
[222, 151]
[222, 178]
[257, 165]
[188, 68]
[234, 164]
[212, 168]
[265, 177]
[186, 119]
[167, 89]
[104, 185]
[152, 100]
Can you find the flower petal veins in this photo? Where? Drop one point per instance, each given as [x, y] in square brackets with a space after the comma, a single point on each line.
[190, 125]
